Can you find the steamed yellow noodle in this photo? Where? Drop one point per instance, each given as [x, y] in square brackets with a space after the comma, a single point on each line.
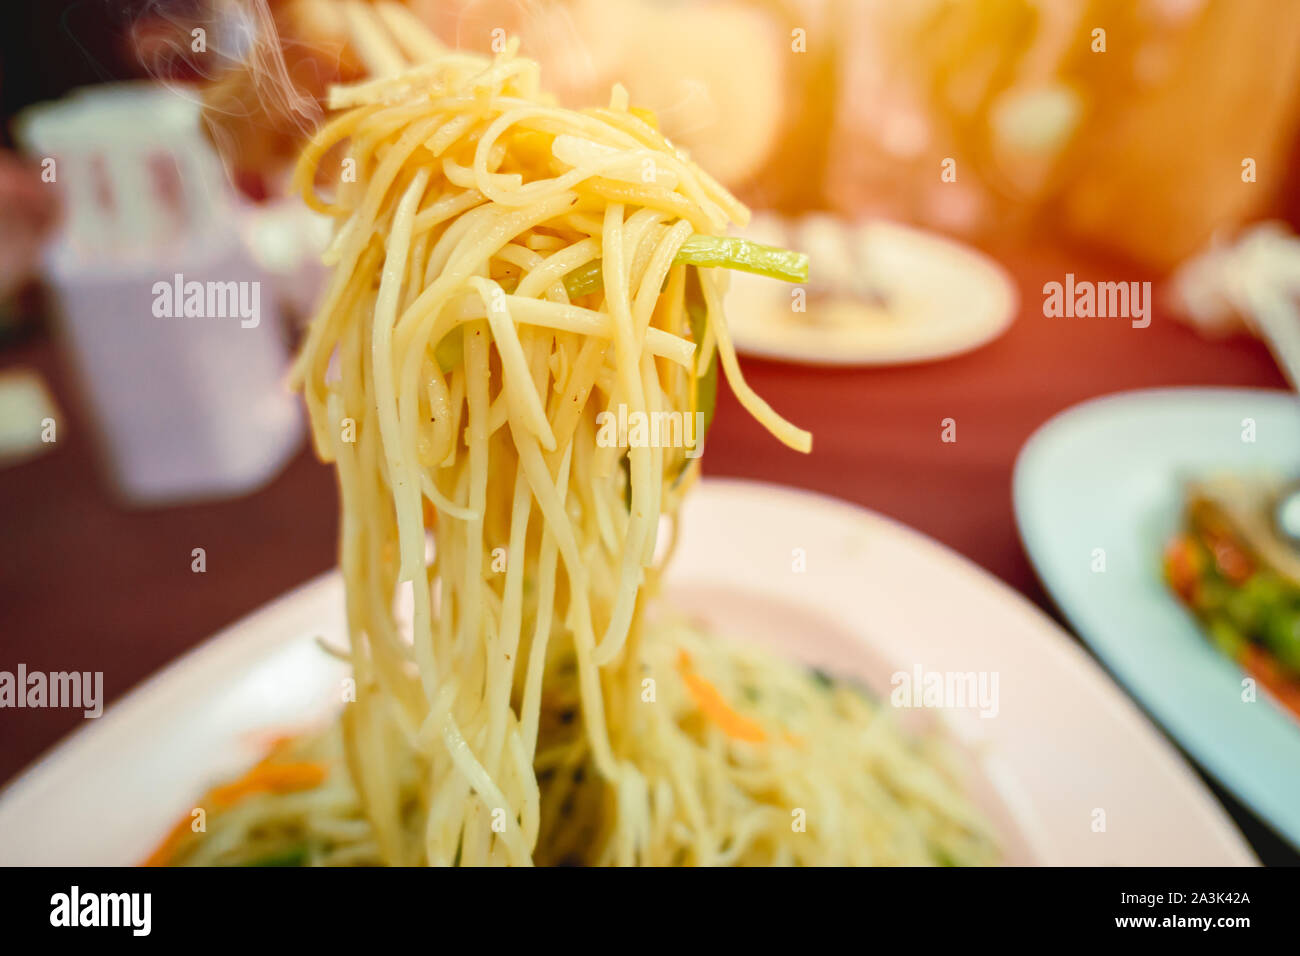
[534, 711]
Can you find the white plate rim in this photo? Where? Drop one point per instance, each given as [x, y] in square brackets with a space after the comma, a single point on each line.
[1205, 754]
[242, 641]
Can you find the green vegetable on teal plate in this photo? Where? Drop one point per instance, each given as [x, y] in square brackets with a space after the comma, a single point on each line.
[1263, 609]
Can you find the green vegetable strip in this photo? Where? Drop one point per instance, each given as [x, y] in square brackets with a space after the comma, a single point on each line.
[291, 856]
[726, 252]
[583, 280]
[706, 386]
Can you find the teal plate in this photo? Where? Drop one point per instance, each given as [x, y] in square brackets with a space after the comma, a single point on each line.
[1098, 491]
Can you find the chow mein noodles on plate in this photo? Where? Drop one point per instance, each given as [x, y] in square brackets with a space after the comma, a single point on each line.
[512, 369]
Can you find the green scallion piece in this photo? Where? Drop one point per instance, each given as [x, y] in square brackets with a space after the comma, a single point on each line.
[724, 252]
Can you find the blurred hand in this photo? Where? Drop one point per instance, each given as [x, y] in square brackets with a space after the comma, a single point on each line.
[27, 212]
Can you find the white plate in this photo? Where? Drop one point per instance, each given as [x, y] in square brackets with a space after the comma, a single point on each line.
[943, 298]
[1109, 474]
[875, 598]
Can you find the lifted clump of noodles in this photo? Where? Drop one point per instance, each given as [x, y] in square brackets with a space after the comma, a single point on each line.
[504, 271]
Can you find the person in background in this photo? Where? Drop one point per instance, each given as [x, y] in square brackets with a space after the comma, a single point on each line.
[47, 49]
[27, 213]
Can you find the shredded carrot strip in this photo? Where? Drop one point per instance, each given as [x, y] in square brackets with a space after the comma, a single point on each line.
[1261, 664]
[265, 777]
[165, 850]
[715, 707]
[272, 778]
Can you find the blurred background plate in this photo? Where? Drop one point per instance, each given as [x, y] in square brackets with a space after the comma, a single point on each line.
[865, 607]
[1109, 474]
[879, 293]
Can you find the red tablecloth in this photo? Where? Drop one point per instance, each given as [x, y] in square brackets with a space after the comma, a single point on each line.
[877, 432]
